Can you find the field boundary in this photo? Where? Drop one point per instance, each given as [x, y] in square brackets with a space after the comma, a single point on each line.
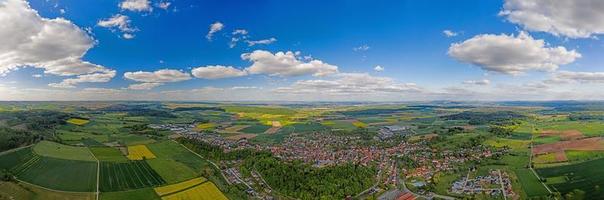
[98, 173]
[45, 188]
[214, 164]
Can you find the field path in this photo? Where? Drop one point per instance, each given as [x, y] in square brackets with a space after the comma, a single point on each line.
[530, 164]
[98, 173]
[215, 165]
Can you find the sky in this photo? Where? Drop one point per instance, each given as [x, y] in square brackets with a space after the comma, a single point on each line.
[196, 50]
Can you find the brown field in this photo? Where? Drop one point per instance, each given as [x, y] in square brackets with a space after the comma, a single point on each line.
[587, 144]
[564, 135]
[241, 136]
[560, 156]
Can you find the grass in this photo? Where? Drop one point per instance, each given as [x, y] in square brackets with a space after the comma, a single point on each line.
[119, 176]
[13, 159]
[547, 139]
[255, 129]
[530, 184]
[10, 190]
[138, 194]
[588, 128]
[340, 124]
[205, 191]
[545, 158]
[169, 189]
[584, 176]
[139, 152]
[174, 151]
[56, 150]
[108, 154]
[573, 155]
[172, 171]
[516, 145]
[60, 174]
[67, 135]
[78, 121]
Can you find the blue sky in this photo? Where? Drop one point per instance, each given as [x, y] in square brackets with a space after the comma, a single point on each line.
[349, 39]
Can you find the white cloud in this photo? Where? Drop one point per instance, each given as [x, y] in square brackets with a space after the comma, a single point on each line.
[361, 48]
[350, 84]
[215, 27]
[144, 86]
[574, 19]
[37, 75]
[164, 5]
[100, 77]
[240, 32]
[477, 82]
[450, 33]
[378, 68]
[244, 87]
[160, 76]
[121, 22]
[56, 45]
[265, 41]
[285, 64]
[217, 72]
[576, 77]
[511, 54]
[136, 5]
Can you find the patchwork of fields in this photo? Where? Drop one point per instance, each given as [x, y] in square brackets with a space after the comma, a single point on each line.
[118, 176]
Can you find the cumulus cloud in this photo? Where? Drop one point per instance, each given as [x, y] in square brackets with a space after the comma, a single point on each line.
[265, 41]
[136, 5]
[477, 82]
[511, 54]
[119, 22]
[574, 19]
[215, 27]
[144, 86]
[100, 77]
[217, 72]
[450, 33]
[349, 84]
[159, 76]
[285, 64]
[55, 45]
[378, 68]
[361, 48]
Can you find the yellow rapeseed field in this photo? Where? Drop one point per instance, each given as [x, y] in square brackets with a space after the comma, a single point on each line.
[77, 121]
[168, 189]
[205, 191]
[138, 152]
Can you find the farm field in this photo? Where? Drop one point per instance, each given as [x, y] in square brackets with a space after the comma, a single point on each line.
[588, 128]
[139, 152]
[171, 171]
[10, 160]
[174, 151]
[78, 121]
[119, 176]
[205, 191]
[18, 191]
[169, 189]
[584, 176]
[138, 194]
[60, 174]
[107, 154]
[56, 150]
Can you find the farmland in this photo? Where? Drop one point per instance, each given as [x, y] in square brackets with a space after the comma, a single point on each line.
[78, 121]
[118, 176]
[56, 150]
[204, 191]
[585, 176]
[60, 174]
[139, 152]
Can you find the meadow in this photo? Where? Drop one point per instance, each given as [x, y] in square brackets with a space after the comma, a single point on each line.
[586, 176]
[108, 154]
[61, 174]
[56, 150]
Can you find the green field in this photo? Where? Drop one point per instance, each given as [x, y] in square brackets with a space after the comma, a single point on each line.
[584, 176]
[108, 154]
[60, 174]
[588, 128]
[580, 156]
[56, 150]
[138, 194]
[23, 191]
[174, 151]
[14, 159]
[172, 171]
[530, 184]
[256, 129]
[119, 176]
